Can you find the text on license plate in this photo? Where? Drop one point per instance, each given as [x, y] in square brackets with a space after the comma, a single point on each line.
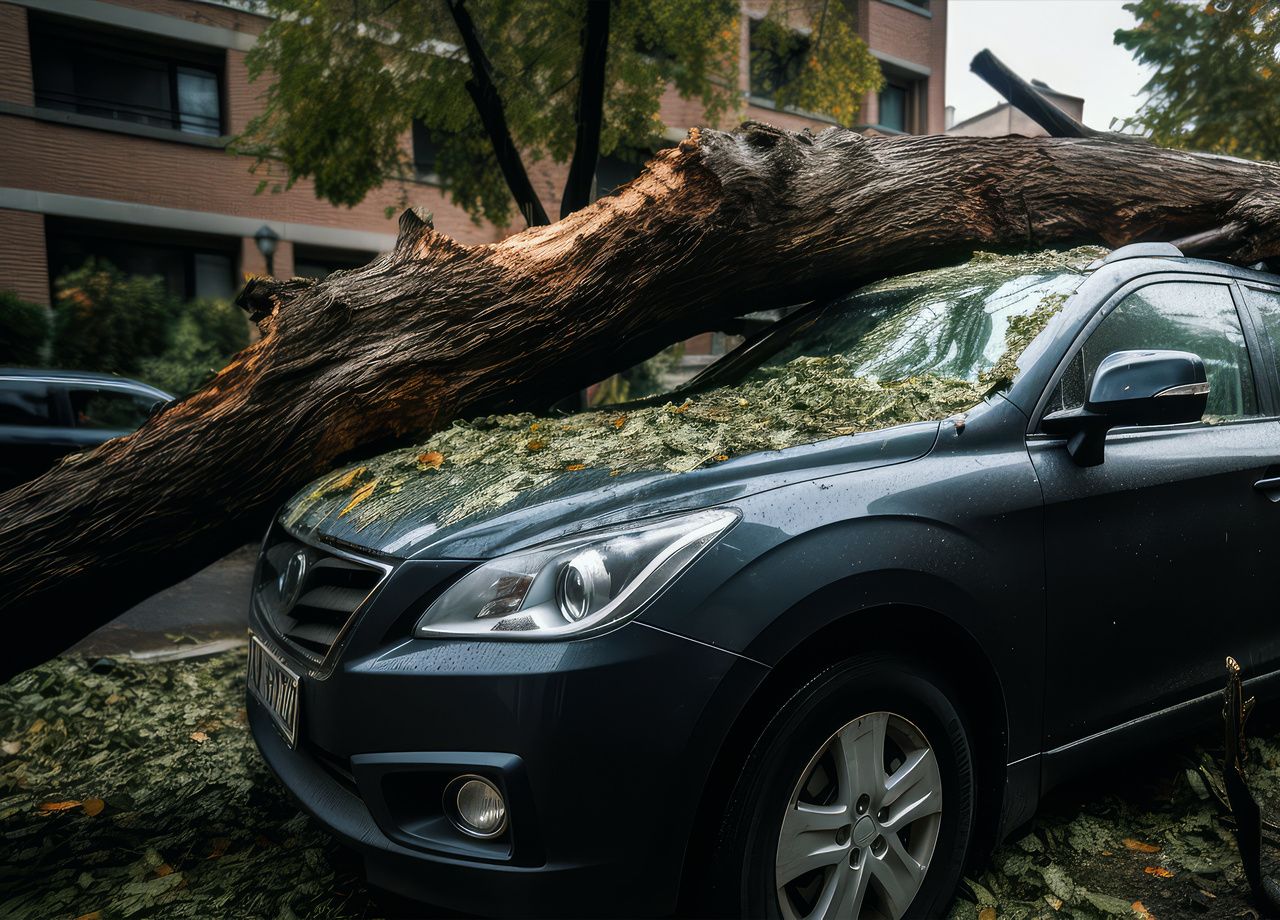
[276, 687]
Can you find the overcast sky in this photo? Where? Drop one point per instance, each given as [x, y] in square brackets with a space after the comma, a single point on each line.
[1066, 43]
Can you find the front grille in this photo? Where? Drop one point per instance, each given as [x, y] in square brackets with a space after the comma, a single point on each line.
[308, 595]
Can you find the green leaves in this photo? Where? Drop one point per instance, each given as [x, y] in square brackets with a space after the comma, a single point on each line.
[1216, 81]
[354, 76]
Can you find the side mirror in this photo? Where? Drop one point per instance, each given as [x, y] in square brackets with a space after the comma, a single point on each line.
[1132, 388]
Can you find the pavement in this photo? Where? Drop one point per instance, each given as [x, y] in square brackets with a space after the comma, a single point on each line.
[209, 611]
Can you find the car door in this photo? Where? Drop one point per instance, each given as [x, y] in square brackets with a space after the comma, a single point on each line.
[1158, 561]
[33, 432]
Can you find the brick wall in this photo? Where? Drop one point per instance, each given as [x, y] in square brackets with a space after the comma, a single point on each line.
[22, 255]
[15, 56]
[910, 36]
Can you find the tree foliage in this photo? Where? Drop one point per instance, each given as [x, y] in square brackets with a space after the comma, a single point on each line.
[355, 75]
[24, 329]
[1216, 81]
[824, 64]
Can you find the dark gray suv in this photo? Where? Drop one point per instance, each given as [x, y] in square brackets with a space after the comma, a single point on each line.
[801, 638]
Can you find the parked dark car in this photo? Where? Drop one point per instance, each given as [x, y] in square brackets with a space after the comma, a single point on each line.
[46, 414]
[809, 681]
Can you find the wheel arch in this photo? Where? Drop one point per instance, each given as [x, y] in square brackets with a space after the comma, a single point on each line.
[938, 640]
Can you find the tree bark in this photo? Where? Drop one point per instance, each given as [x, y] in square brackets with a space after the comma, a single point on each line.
[723, 224]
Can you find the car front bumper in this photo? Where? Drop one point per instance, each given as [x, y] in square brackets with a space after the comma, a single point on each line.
[601, 746]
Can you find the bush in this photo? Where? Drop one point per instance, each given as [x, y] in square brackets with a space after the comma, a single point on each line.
[105, 320]
[204, 334]
[24, 330]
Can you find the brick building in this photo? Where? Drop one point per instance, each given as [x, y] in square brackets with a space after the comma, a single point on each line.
[115, 115]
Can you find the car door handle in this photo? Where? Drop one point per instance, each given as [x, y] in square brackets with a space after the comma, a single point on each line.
[1269, 487]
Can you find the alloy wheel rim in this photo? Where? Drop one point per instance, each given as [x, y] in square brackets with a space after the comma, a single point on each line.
[861, 824]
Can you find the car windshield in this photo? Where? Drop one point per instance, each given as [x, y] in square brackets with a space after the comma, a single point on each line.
[947, 323]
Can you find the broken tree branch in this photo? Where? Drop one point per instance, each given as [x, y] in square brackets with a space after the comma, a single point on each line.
[590, 112]
[1235, 713]
[484, 93]
[723, 224]
[1023, 96]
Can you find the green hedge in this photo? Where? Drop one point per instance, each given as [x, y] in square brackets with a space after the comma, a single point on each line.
[24, 330]
[105, 320]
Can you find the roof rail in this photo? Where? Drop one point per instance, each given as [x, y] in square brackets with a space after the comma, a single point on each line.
[1143, 251]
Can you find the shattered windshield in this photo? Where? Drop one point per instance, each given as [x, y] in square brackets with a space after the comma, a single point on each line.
[946, 323]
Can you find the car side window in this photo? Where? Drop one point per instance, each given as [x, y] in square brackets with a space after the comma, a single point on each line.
[26, 404]
[112, 410]
[1180, 315]
[1266, 303]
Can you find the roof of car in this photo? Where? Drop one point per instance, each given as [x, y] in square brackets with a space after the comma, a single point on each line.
[75, 376]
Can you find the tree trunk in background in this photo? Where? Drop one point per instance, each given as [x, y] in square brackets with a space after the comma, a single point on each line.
[722, 224]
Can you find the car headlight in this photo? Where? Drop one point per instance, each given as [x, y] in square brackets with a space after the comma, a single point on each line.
[573, 586]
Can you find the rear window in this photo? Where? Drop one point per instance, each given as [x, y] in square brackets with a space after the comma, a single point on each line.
[25, 403]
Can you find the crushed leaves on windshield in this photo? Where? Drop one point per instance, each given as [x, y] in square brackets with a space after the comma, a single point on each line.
[487, 463]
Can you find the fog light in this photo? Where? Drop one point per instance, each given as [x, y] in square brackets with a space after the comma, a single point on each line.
[475, 806]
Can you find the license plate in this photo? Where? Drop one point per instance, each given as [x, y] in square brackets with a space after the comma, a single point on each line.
[275, 687]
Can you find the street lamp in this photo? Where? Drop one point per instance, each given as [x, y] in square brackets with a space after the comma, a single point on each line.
[267, 240]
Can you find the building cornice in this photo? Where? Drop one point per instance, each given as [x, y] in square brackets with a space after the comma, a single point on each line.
[107, 210]
[123, 17]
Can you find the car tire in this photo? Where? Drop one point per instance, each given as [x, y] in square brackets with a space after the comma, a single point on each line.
[791, 777]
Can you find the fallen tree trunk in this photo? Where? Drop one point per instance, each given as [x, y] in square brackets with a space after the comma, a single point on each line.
[720, 225]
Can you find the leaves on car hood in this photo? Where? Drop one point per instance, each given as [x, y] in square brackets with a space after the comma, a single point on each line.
[481, 465]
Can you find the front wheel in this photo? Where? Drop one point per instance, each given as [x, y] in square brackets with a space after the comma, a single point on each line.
[856, 801]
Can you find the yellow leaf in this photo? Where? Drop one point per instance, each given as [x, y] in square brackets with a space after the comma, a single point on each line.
[432, 458]
[1158, 871]
[37, 726]
[614, 472]
[348, 479]
[1138, 846]
[113, 699]
[987, 913]
[619, 421]
[48, 808]
[93, 807]
[199, 737]
[1053, 901]
[361, 494]
[574, 467]
[1141, 912]
[536, 445]
[163, 869]
[720, 458]
[533, 427]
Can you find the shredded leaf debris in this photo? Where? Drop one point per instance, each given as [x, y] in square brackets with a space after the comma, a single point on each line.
[110, 810]
[488, 463]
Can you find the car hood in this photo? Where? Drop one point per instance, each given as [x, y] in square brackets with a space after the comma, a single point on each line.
[413, 504]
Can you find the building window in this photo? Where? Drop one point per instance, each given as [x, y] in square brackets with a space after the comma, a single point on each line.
[125, 78]
[777, 57]
[895, 100]
[426, 153]
[190, 267]
[313, 262]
